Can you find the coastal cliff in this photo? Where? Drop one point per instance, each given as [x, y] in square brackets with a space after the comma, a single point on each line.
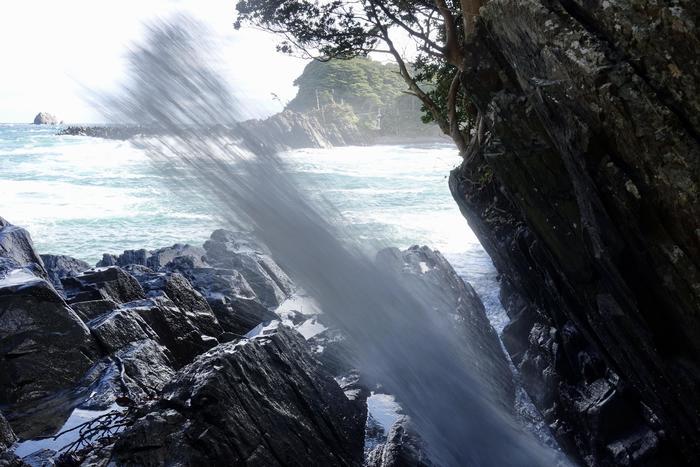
[586, 198]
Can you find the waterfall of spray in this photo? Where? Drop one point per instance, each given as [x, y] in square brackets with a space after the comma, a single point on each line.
[401, 336]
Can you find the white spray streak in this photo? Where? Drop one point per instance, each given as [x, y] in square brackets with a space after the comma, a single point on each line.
[401, 337]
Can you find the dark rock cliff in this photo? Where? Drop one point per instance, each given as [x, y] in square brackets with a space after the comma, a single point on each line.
[586, 197]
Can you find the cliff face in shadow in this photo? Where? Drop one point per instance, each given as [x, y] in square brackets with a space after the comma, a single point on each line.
[586, 198]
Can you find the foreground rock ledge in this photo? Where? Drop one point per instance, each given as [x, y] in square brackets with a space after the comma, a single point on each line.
[262, 401]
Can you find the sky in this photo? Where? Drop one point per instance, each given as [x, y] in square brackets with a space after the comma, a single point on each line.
[52, 52]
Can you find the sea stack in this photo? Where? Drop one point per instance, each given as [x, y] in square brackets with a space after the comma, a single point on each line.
[45, 118]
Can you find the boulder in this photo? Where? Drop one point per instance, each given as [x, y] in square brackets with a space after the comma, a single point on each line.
[173, 327]
[154, 259]
[126, 258]
[235, 251]
[44, 346]
[239, 315]
[103, 283]
[92, 309]
[138, 370]
[17, 250]
[258, 402]
[45, 118]
[184, 296]
[333, 351]
[60, 266]
[403, 448]
[230, 297]
[119, 328]
[161, 257]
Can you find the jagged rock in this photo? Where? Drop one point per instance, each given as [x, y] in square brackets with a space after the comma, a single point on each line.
[229, 295]
[93, 308]
[128, 257]
[215, 283]
[333, 351]
[119, 328]
[403, 448]
[44, 346]
[161, 257]
[139, 370]
[17, 250]
[226, 249]
[174, 328]
[290, 129]
[586, 198]
[154, 259]
[429, 273]
[239, 315]
[180, 291]
[258, 402]
[60, 266]
[7, 436]
[45, 118]
[111, 283]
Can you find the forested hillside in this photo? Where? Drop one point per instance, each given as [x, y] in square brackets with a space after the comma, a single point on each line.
[365, 91]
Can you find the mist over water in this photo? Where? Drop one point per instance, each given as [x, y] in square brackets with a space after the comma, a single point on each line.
[402, 337]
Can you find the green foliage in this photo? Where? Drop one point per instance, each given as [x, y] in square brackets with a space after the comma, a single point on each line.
[363, 87]
[366, 85]
[340, 33]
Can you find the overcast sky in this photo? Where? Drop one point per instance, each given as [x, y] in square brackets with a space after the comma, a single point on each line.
[53, 50]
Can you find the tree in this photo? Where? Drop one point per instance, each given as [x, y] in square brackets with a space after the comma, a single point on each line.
[343, 29]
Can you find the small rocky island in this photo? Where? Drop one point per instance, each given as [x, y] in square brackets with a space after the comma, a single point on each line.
[191, 355]
[45, 118]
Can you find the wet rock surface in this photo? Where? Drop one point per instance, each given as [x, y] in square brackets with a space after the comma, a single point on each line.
[127, 327]
[402, 448]
[153, 259]
[263, 401]
[60, 267]
[226, 250]
[173, 328]
[17, 250]
[44, 346]
[585, 197]
[111, 283]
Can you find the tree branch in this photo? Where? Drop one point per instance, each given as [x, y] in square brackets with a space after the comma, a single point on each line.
[453, 49]
[456, 135]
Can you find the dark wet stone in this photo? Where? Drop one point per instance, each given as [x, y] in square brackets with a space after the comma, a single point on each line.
[174, 328]
[235, 251]
[17, 250]
[184, 296]
[402, 448]
[108, 283]
[94, 308]
[60, 266]
[44, 346]
[258, 402]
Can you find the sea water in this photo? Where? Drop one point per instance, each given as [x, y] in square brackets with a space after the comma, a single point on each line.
[83, 196]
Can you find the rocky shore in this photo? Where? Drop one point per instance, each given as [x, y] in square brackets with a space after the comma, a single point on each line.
[283, 131]
[194, 356]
